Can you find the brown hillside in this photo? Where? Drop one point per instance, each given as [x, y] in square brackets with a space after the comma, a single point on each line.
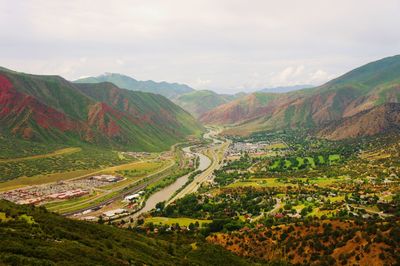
[380, 119]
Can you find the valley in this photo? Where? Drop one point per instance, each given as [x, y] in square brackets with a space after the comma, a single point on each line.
[200, 133]
[155, 176]
[305, 177]
[258, 211]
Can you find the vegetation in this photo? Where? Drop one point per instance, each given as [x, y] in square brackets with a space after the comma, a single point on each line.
[69, 115]
[200, 101]
[298, 163]
[310, 202]
[33, 236]
[87, 158]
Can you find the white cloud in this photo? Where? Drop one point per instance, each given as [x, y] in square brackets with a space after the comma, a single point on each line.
[201, 83]
[295, 75]
[120, 62]
[319, 76]
[225, 42]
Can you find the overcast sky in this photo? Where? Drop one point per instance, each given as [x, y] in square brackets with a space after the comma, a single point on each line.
[224, 45]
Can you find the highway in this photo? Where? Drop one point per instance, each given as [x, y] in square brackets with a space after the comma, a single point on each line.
[206, 174]
[151, 179]
[207, 165]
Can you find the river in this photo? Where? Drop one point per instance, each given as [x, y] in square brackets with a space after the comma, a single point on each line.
[167, 192]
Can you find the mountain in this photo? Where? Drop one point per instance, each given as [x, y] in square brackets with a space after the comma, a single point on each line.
[34, 236]
[380, 119]
[284, 89]
[241, 109]
[201, 101]
[51, 109]
[169, 90]
[360, 89]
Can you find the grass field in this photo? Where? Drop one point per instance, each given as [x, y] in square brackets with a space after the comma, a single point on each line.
[170, 221]
[61, 161]
[264, 182]
[43, 179]
[297, 163]
[47, 155]
[274, 182]
[3, 217]
[276, 146]
[141, 167]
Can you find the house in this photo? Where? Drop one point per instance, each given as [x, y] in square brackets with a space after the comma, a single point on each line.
[132, 197]
[113, 213]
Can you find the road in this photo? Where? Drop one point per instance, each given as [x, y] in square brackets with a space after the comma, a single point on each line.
[207, 165]
[277, 206]
[204, 176]
[133, 189]
[166, 193]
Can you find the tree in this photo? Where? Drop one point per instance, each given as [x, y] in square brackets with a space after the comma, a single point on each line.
[192, 227]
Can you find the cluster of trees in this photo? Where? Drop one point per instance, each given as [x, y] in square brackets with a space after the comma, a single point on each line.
[321, 239]
[54, 240]
[225, 205]
[244, 162]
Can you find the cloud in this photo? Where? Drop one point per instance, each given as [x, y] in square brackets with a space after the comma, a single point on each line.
[224, 42]
[200, 83]
[319, 76]
[120, 62]
[295, 75]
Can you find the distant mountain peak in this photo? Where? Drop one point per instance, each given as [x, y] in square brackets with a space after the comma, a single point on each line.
[169, 90]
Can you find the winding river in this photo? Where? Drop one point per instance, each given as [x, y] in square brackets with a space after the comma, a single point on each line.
[167, 192]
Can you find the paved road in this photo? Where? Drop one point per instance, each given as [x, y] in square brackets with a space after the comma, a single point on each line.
[133, 189]
[204, 176]
[206, 164]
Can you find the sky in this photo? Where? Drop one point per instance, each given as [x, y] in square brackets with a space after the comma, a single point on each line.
[225, 45]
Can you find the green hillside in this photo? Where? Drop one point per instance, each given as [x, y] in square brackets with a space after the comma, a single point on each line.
[49, 109]
[169, 90]
[361, 89]
[33, 236]
[201, 101]
[166, 123]
[372, 74]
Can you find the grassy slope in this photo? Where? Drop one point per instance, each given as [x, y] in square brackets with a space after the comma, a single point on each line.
[35, 236]
[363, 88]
[199, 102]
[168, 125]
[54, 91]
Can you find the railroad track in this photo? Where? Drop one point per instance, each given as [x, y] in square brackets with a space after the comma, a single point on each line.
[131, 190]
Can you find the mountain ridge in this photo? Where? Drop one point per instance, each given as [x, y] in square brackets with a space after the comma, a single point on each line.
[169, 90]
[199, 102]
[379, 119]
[49, 108]
[360, 89]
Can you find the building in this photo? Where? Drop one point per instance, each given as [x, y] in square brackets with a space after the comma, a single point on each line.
[132, 197]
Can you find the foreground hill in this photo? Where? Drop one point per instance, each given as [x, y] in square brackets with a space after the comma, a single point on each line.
[361, 89]
[169, 90]
[202, 101]
[33, 236]
[52, 110]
